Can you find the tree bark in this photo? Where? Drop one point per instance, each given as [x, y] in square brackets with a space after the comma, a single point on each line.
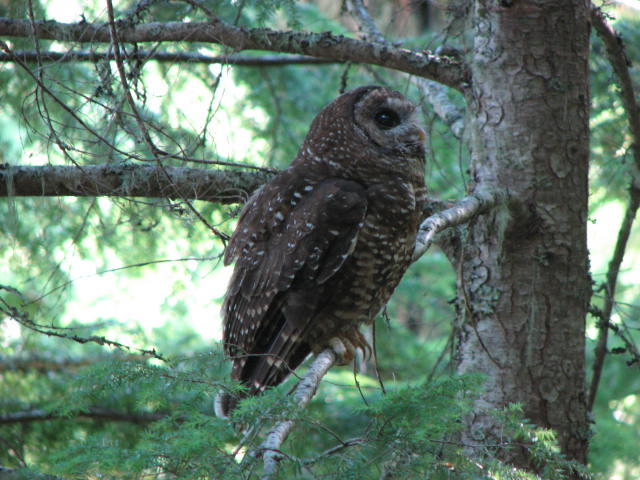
[524, 286]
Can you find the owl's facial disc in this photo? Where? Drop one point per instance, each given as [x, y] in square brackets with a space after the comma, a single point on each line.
[388, 120]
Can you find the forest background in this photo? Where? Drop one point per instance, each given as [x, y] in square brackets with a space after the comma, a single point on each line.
[109, 353]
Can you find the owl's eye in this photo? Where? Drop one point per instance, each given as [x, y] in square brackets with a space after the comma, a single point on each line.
[386, 118]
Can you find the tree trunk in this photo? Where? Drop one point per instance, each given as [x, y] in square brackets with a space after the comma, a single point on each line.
[524, 282]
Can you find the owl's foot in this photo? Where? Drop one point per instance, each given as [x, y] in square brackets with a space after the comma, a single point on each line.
[346, 346]
[344, 350]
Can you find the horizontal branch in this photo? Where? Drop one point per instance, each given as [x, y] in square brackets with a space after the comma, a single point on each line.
[462, 211]
[38, 415]
[322, 45]
[7, 473]
[45, 364]
[167, 57]
[221, 186]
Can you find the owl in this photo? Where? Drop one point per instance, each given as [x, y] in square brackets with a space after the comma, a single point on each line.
[319, 249]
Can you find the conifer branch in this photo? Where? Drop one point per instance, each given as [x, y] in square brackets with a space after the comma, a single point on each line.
[7, 473]
[23, 319]
[38, 415]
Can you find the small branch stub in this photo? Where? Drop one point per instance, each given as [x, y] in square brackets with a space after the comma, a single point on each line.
[462, 211]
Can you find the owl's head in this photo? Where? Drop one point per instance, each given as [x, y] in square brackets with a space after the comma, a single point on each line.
[388, 120]
[370, 125]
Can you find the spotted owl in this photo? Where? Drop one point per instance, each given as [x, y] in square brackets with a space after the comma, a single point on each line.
[319, 249]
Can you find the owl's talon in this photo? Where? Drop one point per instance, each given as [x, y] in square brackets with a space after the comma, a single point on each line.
[344, 350]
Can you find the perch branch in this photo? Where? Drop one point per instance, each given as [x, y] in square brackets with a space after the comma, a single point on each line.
[620, 63]
[303, 394]
[321, 45]
[222, 186]
[462, 211]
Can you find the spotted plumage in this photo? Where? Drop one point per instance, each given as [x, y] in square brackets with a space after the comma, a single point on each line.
[320, 248]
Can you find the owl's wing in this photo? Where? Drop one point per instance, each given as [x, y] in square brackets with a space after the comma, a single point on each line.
[289, 242]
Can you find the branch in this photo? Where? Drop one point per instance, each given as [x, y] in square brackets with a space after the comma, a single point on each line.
[322, 45]
[618, 59]
[610, 291]
[464, 210]
[221, 186]
[38, 415]
[23, 319]
[303, 394]
[167, 57]
[44, 364]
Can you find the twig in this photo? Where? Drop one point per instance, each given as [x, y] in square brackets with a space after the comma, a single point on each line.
[303, 394]
[23, 319]
[464, 210]
[610, 291]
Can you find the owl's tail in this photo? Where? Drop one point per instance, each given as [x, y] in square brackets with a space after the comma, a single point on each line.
[224, 404]
[259, 371]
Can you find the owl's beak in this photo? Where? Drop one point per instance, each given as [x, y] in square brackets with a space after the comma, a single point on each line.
[422, 135]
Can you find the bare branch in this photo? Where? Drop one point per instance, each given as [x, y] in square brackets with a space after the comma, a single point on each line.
[321, 45]
[221, 186]
[167, 57]
[303, 394]
[479, 202]
[620, 64]
[23, 319]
